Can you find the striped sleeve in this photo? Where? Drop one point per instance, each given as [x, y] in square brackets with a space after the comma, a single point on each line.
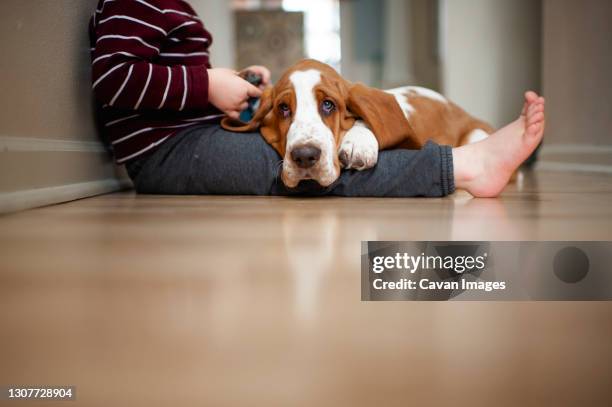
[129, 36]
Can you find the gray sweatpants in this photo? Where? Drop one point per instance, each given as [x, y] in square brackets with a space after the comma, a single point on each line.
[210, 160]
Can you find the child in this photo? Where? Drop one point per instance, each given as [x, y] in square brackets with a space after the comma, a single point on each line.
[161, 101]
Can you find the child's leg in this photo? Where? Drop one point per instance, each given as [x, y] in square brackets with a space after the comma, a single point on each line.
[210, 160]
[402, 173]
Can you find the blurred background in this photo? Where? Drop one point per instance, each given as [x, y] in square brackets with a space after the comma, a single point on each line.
[482, 54]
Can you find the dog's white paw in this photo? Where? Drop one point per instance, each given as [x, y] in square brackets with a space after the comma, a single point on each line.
[359, 148]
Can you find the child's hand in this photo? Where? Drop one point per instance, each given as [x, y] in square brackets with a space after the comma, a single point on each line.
[261, 71]
[229, 92]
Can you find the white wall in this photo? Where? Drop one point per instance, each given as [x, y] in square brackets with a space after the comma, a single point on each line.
[49, 146]
[490, 52]
[577, 83]
[397, 66]
[218, 19]
[352, 68]
[578, 71]
[397, 62]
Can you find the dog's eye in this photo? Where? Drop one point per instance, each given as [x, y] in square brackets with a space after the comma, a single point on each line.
[327, 107]
[284, 110]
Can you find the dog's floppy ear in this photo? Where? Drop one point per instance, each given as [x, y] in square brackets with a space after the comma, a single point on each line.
[265, 105]
[264, 120]
[382, 114]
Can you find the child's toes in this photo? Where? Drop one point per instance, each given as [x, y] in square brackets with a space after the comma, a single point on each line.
[535, 118]
[539, 131]
[536, 109]
[531, 96]
[532, 130]
[524, 109]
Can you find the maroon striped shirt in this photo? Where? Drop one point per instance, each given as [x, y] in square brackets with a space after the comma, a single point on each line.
[149, 62]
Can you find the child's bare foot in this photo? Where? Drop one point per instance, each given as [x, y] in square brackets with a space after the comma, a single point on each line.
[484, 168]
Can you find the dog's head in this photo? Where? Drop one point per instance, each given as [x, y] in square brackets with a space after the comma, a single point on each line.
[306, 114]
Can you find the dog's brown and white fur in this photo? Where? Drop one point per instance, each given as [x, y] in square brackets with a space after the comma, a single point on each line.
[313, 109]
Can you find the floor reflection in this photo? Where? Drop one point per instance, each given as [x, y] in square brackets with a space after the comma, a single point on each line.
[494, 218]
[310, 241]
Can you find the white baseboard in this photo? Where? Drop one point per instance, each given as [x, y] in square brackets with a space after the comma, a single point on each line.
[8, 143]
[548, 149]
[29, 197]
[32, 198]
[574, 167]
[575, 158]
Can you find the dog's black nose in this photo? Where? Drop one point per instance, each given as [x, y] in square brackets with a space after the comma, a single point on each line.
[305, 156]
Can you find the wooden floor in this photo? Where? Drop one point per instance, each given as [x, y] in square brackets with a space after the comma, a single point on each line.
[248, 301]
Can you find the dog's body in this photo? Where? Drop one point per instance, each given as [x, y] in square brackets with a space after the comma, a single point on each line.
[317, 121]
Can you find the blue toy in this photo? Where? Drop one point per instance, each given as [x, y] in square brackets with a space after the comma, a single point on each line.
[255, 80]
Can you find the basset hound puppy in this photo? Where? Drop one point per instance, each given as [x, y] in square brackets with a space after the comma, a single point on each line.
[319, 122]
